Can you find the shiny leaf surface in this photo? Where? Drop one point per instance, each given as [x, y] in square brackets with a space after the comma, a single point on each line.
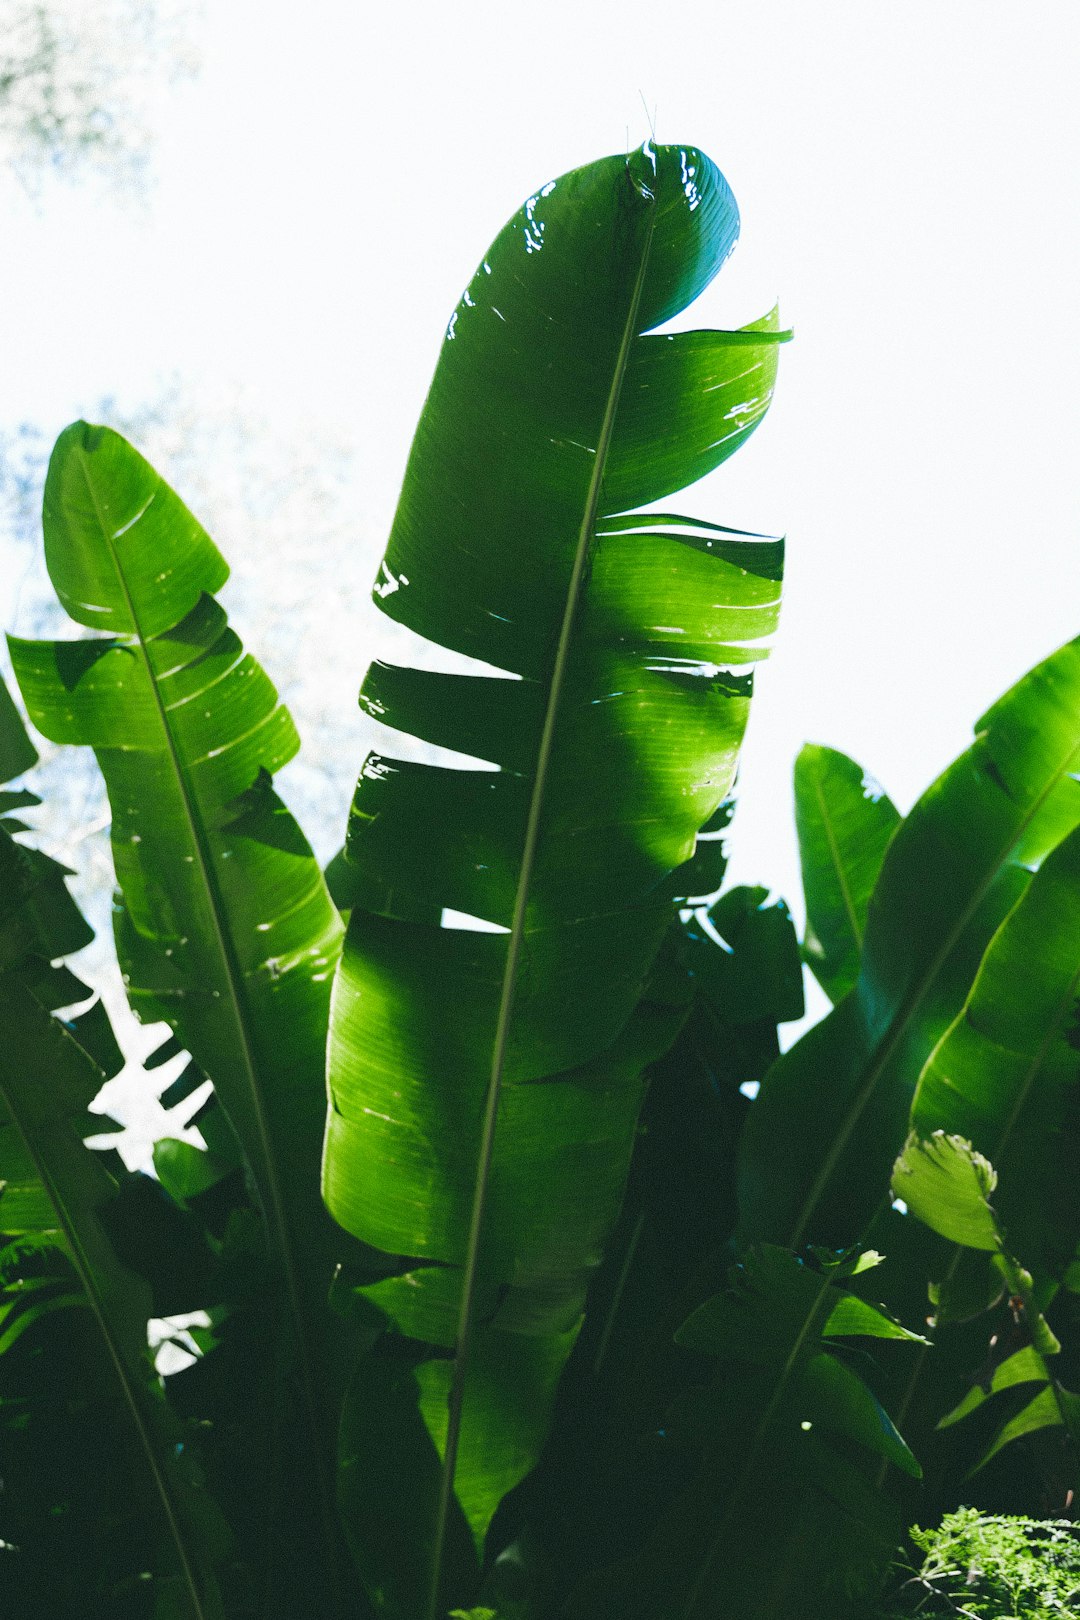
[224, 929]
[551, 412]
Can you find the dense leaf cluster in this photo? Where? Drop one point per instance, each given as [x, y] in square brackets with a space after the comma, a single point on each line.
[517, 1267]
[987, 1565]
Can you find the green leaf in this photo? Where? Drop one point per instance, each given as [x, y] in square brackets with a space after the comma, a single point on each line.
[947, 1185]
[845, 823]
[225, 930]
[759, 979]
[598, 1482]
[833, 1113]
[51, 1185]
[854, 1316]
[1024, 1366]
[551, 413]
[1005, 1074]
[17, 752]
[1050, 1409]
[837, 1398]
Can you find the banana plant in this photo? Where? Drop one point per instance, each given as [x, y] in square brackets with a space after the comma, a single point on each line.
[485, 1085]
[224, 928]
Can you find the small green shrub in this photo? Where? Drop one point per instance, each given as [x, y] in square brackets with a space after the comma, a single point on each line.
[999, 1568]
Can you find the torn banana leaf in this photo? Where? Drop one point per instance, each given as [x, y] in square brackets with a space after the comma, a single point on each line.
[625, 644]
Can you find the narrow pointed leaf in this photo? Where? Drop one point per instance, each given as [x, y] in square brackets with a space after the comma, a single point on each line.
[845, 823]
[852, 1315]
[837, 1398]
[1043, 1412]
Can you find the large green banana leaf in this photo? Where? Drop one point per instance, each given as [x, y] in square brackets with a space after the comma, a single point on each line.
[56, 1254]
[845, 823]
[550, 415]
[225, 929]
[832, 1114]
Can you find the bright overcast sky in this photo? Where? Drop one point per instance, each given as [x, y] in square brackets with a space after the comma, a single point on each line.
[907, 180]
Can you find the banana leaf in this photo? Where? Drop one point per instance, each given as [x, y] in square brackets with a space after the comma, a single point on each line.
[552, 413]
[845, 822]
[56, 1256]
[833, 1112]
[224, 928]
[601, 1483]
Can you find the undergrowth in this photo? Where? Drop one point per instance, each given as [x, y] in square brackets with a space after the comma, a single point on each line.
[995, 1568]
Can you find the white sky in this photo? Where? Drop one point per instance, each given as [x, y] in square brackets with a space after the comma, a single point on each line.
[907, 180]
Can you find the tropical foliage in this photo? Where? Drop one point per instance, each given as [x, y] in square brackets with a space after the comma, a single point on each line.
[518, 1273]
[989, 1565]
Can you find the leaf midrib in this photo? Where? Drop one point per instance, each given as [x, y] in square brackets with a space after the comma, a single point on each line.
[268, 1183]
[586, 536]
